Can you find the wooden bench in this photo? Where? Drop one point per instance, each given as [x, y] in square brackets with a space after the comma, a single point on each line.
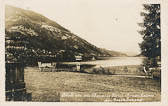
[43, 66]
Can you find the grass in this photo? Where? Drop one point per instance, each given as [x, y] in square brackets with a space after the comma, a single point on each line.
[119, 70]
[47, 86]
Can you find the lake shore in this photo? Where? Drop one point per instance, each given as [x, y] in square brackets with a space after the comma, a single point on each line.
[120, 70]
[49, 86]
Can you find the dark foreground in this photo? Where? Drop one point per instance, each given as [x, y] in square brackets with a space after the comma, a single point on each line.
[75, 86]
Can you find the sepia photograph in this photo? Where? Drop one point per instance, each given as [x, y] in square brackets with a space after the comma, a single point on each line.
[82, 51]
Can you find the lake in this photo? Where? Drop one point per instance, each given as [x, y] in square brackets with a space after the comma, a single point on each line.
[113, 61]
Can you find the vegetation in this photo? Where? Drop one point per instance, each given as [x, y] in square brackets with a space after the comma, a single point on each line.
[46, 40]
[151, 44]
[88, 83]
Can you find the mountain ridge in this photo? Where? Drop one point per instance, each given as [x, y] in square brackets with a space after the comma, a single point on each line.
[46, 37]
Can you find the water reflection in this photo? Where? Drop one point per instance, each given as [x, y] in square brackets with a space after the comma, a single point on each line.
[114, 61]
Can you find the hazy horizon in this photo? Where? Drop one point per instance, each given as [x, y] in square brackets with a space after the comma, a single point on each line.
[111, 25]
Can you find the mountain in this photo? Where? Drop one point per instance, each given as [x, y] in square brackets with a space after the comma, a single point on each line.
[113, 53]
[131, 54]
[46, 38]
[139, 55]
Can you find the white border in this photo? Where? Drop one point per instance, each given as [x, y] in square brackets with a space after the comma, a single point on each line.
[2, 52]
[164, 53]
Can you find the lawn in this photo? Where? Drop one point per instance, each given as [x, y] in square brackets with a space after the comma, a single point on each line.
[75, 86]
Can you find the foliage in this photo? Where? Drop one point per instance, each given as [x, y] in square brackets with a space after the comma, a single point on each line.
[47, 40]
[151, 44]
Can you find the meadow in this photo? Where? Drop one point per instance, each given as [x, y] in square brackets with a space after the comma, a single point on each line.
[49, 86]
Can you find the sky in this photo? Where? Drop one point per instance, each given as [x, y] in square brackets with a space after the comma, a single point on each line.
[110, 24]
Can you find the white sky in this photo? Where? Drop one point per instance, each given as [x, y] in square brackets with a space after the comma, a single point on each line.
[110, 24]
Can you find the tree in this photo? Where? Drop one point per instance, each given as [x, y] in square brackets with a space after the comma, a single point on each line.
[151, 44]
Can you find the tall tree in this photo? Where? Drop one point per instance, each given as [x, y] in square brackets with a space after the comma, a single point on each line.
[151, 44]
